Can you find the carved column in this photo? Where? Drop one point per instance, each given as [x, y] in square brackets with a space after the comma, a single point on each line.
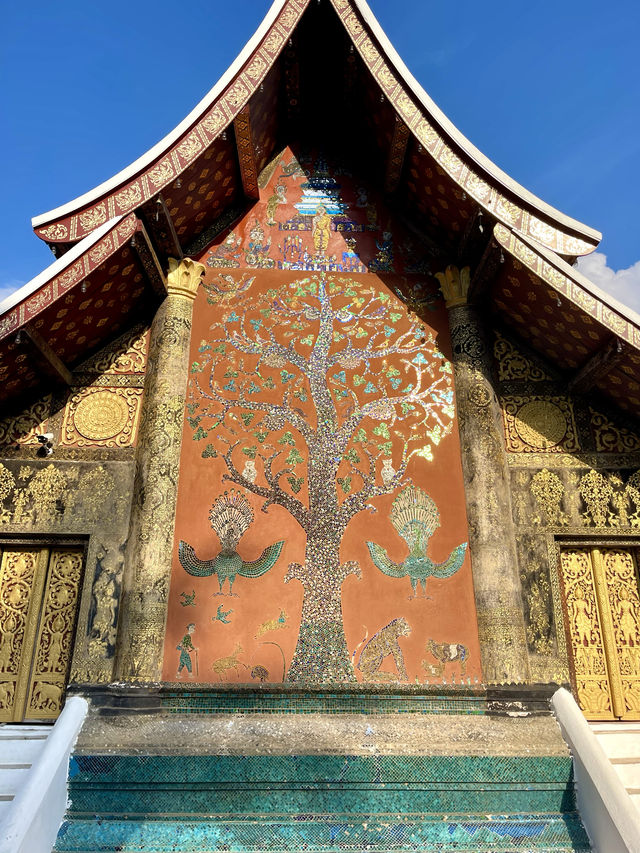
[143, 608]
[491, 532]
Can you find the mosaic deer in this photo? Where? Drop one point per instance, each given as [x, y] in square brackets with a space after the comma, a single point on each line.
[221, 665]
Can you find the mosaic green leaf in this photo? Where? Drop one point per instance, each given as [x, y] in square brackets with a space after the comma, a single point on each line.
[287, 438]
[250, 451]
[294, 457]
[295, 483]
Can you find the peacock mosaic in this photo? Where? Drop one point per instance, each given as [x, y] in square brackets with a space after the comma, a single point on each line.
[321, 533]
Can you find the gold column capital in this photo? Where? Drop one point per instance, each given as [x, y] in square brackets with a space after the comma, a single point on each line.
[454, 284]
[184, 277]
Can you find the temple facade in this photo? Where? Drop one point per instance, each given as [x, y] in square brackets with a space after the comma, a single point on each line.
[313, 411]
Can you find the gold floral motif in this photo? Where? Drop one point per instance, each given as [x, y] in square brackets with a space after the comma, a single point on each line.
[102, 417]
[596, 491]
[237, 95]
[538, 600]
[542, 231]
[615, 321]
[162, 173]
[128, 354]
[477, 187]
[40, 300]
[610, 438]
[539, 424]
[71, 276]
[448, 159]
[22, 428]
[288, 17]
[368, 50]
[129, 197]
[386, 78]
[548, 490]
[256, 68]
[18, 570]
[93, 217]
[353, 25]
[513, 365]
[55, 232]
[584, 300]
[46, 489]
[508, 210]
[273, 41]
[190, 147]
[101, 250]
[215, 121]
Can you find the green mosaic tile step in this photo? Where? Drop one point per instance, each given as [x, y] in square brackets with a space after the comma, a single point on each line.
[325, 833]
[264, 769]
[286, 800]
[464, 700]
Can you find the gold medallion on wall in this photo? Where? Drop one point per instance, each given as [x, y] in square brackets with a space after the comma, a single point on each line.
[535, 424]
[104, 417]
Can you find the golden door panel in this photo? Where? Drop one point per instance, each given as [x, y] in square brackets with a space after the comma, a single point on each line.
[592, 677]
[38, 605]
[621, 577]
[603, 608]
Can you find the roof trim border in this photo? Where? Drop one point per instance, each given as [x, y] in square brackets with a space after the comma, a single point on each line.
[217, 110]
[568, 282]
[63, 274]
[152, 154]
[459, 138]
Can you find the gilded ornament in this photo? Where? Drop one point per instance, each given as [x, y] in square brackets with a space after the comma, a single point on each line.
[539, 424]
[596, 492]
[47, 488]
[548, 490]
[93, 217]
[101, 415]
[610, 438]
[513, 365]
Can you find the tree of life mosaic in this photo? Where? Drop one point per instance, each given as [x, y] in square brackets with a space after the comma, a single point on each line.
[316, 397]
[321, 531]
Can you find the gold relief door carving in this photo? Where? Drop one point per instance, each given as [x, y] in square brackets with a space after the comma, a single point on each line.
[38, 605]
[621, 579]
[603, 609]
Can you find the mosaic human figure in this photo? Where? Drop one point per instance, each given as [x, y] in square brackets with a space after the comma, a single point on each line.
[321, 229]
[185, 647]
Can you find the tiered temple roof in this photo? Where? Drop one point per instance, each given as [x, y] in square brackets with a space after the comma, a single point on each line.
[363, 107]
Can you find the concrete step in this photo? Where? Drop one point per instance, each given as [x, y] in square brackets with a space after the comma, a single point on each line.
[618, 739]
[629, 774]
[12, 779]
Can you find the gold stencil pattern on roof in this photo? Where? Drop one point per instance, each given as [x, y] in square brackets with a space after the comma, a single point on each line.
[512, 364]
[610, 438]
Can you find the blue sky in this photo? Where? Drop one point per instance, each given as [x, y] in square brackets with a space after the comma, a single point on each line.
[550, 91]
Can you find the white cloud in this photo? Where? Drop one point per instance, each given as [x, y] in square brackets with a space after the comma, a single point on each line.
[9, 287]
[623, 284]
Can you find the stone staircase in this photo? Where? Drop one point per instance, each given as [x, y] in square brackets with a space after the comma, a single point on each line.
[20, 746]
[321, 783]
[621, 744]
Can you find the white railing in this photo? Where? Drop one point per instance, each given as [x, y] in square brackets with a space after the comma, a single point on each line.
[31, 822]
[609, 816]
